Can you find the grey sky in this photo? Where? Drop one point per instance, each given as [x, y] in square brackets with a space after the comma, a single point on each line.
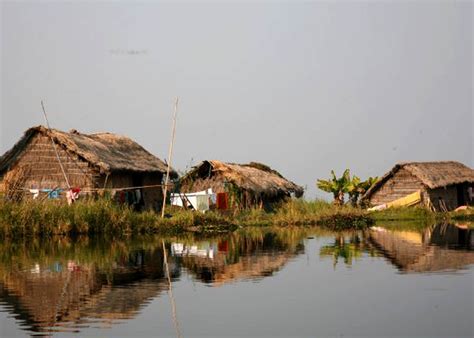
[303, 87]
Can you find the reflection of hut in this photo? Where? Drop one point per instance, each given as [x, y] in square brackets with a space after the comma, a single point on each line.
[59, 300]
[441, 184]
[246, 184]
[219, 272]
[243, 258]
[444, 247]
[90, 161]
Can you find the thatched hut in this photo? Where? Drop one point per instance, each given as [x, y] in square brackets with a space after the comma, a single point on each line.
[90, 162]
[443, 185]
[247, 185]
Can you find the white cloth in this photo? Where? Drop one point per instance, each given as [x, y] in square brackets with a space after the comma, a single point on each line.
[198, 200]
[35, 193]
[202, 203]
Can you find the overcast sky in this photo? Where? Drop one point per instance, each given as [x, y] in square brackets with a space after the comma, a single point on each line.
[302, 87]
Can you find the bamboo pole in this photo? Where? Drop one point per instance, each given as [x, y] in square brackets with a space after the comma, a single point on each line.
[54, 146]
[170, 293]
[170, 153]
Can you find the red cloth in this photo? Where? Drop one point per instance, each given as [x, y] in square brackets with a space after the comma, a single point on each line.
[122, 196]
[223, 246]
[222, 201]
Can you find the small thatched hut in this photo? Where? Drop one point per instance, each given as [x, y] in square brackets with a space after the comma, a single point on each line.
[252, 184]
[91, 162]
[443, 185]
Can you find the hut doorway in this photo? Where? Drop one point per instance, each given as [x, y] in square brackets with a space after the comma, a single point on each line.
[461, 197]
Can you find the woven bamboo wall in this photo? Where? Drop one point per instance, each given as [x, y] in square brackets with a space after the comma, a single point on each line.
[399, 185]
[43, 170]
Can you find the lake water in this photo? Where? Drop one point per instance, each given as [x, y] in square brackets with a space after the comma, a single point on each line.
[393, 280]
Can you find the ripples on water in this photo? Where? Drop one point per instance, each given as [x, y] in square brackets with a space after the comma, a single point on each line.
[72, 286]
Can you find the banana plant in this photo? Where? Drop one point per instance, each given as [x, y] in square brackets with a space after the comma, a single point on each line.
[354, 187]
[353, 190]
[337, 186]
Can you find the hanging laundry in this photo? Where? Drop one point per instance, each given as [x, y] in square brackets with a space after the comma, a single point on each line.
[72, 195]
[222, 201]
[35, 193]
[202, 203]
[122, 196]
[223, 246]
[52, 193]
[138, 195]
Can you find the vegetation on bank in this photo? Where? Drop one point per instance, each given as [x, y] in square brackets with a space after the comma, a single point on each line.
[408, 214]
[300, 213]
[102, 216]
[419, 213]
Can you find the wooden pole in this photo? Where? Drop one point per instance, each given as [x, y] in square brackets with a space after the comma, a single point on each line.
[170, 153]
[170, 293]
[54, 146]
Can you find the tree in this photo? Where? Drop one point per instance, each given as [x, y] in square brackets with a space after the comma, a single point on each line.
[337, 186]
[357, 188]
[354, 187]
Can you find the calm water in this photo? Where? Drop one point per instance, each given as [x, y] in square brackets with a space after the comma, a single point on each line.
[394, 280]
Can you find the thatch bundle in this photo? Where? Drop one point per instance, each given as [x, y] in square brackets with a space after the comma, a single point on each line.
[254, 179]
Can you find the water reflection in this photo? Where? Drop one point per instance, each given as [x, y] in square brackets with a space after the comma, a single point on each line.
[68, 284]
[64, 284]
[440, 247]
[241, 256]
[348, 246]
[57, 284]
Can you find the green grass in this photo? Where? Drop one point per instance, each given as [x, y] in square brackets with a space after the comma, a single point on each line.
[408, 214]
[102, 216]
[419, 217]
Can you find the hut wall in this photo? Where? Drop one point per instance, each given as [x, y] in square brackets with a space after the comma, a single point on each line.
[38, 167]
[117, 180]
[152, 197]
[399, 185]
[447, 194]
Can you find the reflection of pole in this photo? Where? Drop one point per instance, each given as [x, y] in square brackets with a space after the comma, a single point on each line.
[170, 153]
[170, 292]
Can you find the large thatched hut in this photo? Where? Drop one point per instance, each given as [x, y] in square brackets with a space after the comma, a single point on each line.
[246, 185]
[90, 162]
[443, 185]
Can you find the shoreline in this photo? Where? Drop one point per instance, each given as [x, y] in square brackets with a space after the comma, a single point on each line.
[102, 216]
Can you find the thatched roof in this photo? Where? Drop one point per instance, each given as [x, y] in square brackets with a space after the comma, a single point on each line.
[255, 177]
[109, 152]
[432, 174]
